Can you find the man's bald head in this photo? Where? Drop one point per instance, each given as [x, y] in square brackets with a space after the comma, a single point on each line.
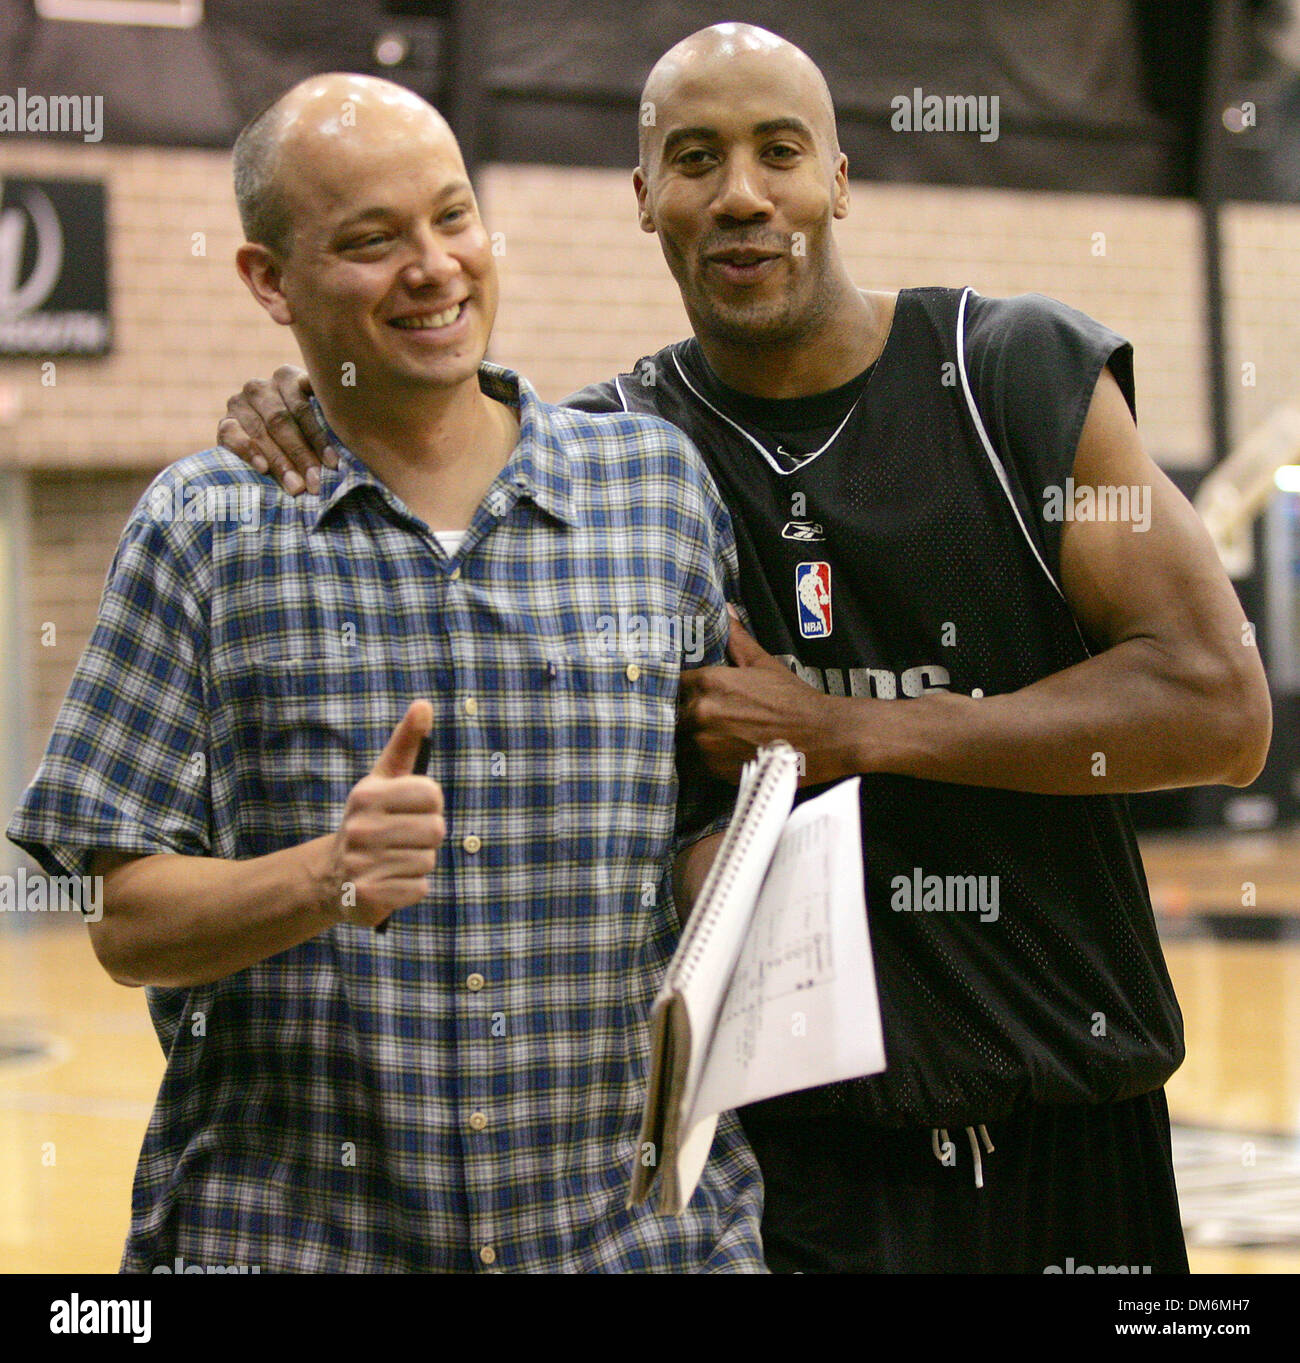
[318, 109]
[772, 58]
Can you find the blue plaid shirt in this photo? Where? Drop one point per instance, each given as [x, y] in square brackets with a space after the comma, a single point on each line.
[462, 1093]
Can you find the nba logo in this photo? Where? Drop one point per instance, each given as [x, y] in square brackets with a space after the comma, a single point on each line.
[812, 592]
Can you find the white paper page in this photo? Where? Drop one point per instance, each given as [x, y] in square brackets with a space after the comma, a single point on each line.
[801, 1009]
[691, 1159]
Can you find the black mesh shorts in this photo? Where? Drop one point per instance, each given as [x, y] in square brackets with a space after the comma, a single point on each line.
[1065, 1189]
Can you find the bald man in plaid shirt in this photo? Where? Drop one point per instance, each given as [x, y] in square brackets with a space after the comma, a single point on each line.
[237, 757]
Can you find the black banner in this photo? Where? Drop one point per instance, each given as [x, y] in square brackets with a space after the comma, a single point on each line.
[53, 268]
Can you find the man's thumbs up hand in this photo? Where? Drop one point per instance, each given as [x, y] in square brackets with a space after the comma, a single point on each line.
[399, 754]
[391, 831]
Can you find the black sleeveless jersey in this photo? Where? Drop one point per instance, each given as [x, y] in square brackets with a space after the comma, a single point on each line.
[911, 552]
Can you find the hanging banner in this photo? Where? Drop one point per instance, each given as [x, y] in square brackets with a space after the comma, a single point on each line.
[53, 268]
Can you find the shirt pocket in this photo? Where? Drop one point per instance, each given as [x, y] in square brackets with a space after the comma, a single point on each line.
[614, 727]
[640, 692]
[304, 731]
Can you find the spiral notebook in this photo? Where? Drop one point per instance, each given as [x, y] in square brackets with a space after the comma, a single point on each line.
[772, 987]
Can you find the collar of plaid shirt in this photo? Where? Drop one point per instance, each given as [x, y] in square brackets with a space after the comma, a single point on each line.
[538, 467]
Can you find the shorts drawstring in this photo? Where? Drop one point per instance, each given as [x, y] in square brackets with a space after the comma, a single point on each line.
[937, 1145]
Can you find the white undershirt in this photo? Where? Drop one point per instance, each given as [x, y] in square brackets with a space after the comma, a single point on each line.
[451, 540]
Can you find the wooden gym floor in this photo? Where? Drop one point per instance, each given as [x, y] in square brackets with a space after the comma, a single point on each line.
[82, 1067]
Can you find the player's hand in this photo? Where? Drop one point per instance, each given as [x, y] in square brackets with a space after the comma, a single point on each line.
[731, 712]
[391, 831]
[271, 425]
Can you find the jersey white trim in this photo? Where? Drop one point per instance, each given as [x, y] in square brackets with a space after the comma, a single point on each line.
[618, 388]
[758, 444]
[988, 444]
[998, 466]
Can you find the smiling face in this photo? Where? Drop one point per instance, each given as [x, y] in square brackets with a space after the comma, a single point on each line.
[740, 178]
[388, 267]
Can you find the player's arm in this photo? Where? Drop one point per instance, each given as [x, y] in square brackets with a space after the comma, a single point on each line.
[1175, 696]
[691, 869]
[271, 424]
[180, 920]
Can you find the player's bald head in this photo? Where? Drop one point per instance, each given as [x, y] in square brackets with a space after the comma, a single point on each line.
[310, 122]
[766, 62]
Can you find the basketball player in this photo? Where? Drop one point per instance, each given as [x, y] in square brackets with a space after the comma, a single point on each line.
[971, 586]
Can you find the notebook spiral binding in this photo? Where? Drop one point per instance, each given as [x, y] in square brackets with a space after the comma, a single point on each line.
[770, 764]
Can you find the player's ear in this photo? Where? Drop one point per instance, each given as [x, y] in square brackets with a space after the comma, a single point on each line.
[642, 187]
[841, 186]
[259, 268]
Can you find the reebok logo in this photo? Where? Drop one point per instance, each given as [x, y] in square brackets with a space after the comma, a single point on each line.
[807, 532]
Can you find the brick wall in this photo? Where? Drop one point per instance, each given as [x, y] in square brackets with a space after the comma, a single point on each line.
[584, 293]
[185, 327]
[1262, 286]
[76, 519]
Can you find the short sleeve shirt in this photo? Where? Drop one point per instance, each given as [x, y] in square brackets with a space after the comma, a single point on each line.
[464, 1091]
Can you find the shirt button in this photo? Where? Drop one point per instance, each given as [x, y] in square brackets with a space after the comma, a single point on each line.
[471, 842]
[477, 1121]
[475, 982]
[488, 1254]
[454, 574]
[633, 672]
[471, 705]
